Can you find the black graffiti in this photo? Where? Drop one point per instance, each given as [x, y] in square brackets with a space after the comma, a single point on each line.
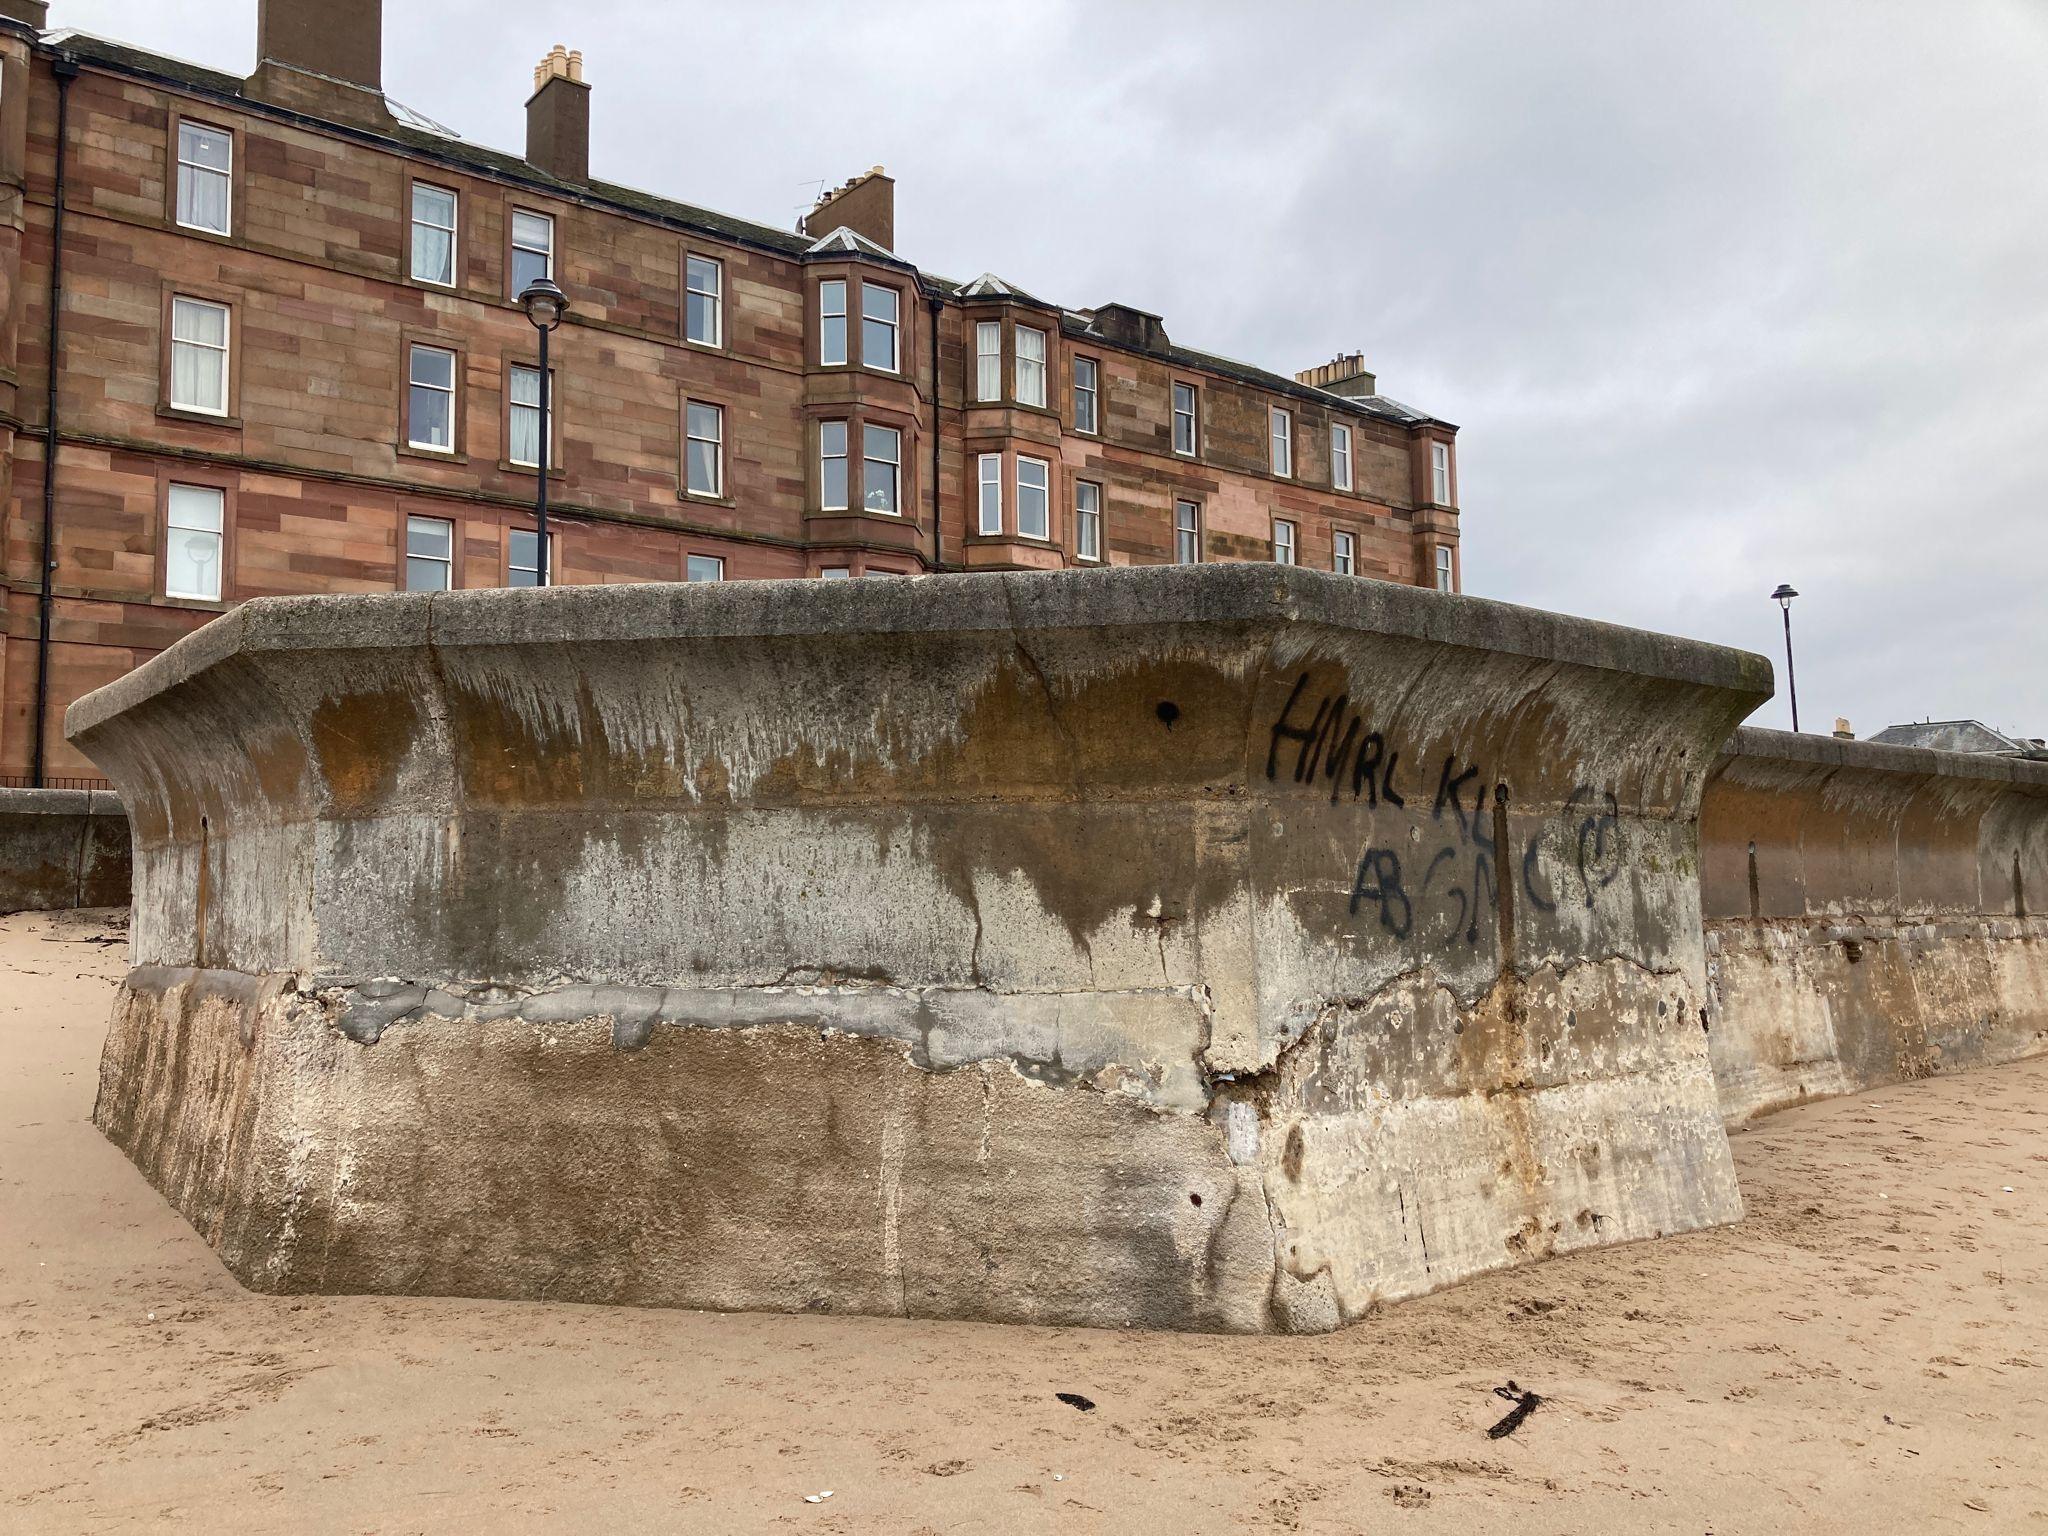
[1599, 839]
[1382, 868]
[1335, 744]
[1596, 848]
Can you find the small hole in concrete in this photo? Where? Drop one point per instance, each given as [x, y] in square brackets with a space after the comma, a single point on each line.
[1194, 1199]
[1168, 712]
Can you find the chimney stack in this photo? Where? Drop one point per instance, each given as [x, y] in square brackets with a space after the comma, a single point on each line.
[1842, 731]
[558, 117]
[1136, 328]
[866, 205]
[1345, 375]
[35, 12]
[322, 57]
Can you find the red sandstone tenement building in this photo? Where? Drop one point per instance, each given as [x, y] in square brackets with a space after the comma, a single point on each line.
[289, 360]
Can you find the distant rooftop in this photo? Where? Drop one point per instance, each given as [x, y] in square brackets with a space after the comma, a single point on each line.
[1961, 736]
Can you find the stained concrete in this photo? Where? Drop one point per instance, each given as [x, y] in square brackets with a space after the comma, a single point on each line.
[1228, 948]
[62, 848]
[1868, 916]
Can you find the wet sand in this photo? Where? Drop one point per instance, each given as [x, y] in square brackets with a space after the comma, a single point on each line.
[1868, 1351]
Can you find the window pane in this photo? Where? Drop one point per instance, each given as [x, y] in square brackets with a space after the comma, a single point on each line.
[881, 447]
[433, 367]
[523, 558]
[209, 147]
[706, 430]
[1034, 512]
[988, 360]
[1084, 395]
[533, 231]
[524, 447]
[704, 568]
[1088, 520]
[192, 542]
[832, 322]
[990, 470]
[199, 356]
[878, 303]
[703, 459]
[430, 536]
[878, 327]
[832, 465]
[425, 575]
[1030, 366]
[1183, 418]
[433, 235]
[206, 324]
[706, 283]
[205, 156]
[836, 573]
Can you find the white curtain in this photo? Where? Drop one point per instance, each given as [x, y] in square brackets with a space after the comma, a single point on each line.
[199, 356]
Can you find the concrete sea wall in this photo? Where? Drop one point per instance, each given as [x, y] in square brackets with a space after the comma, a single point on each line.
[1224, 948]
[62, 848]
[1871, 915]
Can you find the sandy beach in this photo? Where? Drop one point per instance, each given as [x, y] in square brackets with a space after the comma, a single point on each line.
[1868, 1350]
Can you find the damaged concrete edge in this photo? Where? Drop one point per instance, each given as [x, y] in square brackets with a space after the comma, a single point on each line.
[1109, 599]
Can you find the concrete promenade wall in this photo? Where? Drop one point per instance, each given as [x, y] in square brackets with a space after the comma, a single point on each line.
[62, 848]
[1872, 914]
[1198, 947]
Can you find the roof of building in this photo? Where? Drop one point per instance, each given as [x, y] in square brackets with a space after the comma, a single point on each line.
[1957, 736]
[433, 141]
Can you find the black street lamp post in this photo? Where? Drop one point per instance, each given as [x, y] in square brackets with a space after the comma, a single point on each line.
[545, 305]
[1783, 597]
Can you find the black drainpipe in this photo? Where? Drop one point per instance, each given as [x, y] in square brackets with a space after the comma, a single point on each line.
[65, 68]
[938, 537]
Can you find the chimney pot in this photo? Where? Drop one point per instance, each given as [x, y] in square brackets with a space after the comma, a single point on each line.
[1842, 731]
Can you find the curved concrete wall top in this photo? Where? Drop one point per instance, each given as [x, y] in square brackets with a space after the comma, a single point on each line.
[1275, 786]
[1812, 827]
[62, 848]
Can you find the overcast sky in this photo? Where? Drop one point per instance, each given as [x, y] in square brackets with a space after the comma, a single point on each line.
[1721, 295]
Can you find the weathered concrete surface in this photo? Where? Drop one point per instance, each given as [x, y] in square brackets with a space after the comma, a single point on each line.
[1868, 917]
[62, 848]
[1224, 948]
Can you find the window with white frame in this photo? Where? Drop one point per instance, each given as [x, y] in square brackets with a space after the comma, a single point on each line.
[199, 356]
[1283, 442]
[1086, 403]
[1034, 499]
[704, 449]
[1087, 520]
[704, 301]
[206, 163]
[1343, 553]
[1440, 473]
[881, 450]
[704, 568]
[990, 469]
[1283, 541]
[836, 573]
[1340, 456]
[1030, 366]
[434, 212]
[533, 250]
[1446, 581]
[429, 554]
[522, 558]
[522, 422]
[1184, 434]
[1187, 532]
[430, 401]
[988, 360]
[879, 309]
[832, 466]
[832, 322]
[196, 516]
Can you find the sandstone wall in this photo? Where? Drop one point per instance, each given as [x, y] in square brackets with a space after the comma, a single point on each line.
[62, 848]
[1224, 948]
[1872, 914]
